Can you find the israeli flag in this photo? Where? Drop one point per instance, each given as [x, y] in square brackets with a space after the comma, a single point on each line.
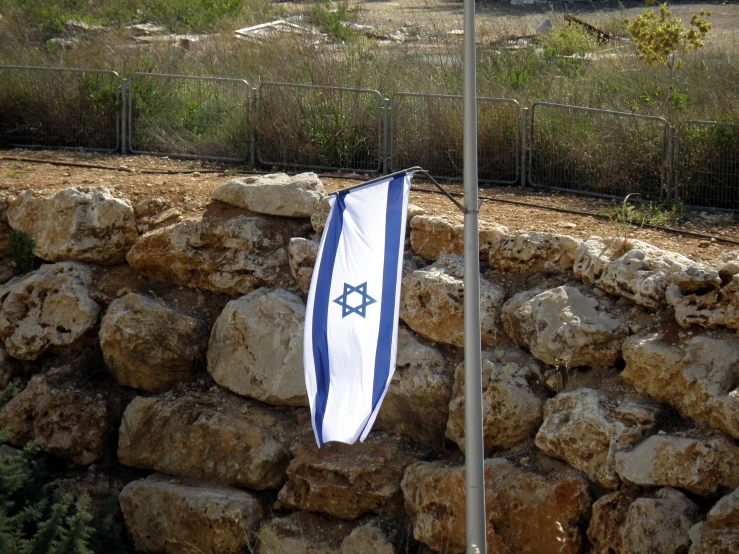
[351, 319]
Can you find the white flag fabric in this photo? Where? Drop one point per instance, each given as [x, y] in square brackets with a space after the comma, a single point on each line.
[351, 318]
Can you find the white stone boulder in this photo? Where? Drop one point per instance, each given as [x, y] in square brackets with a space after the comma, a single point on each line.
[320, 215]
[586, 429]
[274, 194]
[226, 250]
[301, 254]
[79, 223]
[432, 303]
[697, 376]
[148, 346]
[172, 516]
[256, 347]
[416, 402]
[50, 308]
[525, 511]
[213, 436]
[511, 406]
[699, 465]
[629, 268]
[433, 236]
[566, 327]
[720, 532]
[533, 252]
[702, 295]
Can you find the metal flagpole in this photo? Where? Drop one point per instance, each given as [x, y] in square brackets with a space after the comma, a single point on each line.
[474, 457]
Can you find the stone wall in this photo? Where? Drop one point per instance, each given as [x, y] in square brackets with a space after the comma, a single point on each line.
[610, 375]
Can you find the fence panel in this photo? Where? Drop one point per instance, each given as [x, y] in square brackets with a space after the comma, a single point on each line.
[598, 152]
[316, 127]
[188, 116]
[42, 107]
[708, 164]
[427, 130]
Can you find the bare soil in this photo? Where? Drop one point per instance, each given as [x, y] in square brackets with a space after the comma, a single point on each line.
[187, 184]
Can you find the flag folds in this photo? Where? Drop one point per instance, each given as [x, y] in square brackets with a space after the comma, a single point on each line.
[351, 319]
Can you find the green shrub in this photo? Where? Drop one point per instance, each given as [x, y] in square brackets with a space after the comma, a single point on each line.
[20, 250]
[332, 21]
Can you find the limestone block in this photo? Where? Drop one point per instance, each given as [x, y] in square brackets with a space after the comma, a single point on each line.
[720, 532]
[629, 268]
[700, 466]
[226, 250]
[532, 252]
[303, 532]
[175, 517]
[256, 347]
[301, 254]
[147, 345]
[87, 225]
[273, 194]
[566, 327]
[704, 296]
[432, 302]
[213, 436]
[526, 512]
[696, 376]
[433, 236]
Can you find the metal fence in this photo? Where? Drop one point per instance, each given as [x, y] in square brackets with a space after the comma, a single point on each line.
[598, 152]
[427, 130]
[707, 167]
[318, 127]
[188, 116]
[44, 107]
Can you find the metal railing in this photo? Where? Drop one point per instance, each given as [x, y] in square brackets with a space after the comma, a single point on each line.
[598, 152]
[44, 107]
[427, 130]
[188, 116]
[707, 164]
[317, 127]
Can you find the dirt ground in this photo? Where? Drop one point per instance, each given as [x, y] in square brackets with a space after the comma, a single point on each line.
[187, 185]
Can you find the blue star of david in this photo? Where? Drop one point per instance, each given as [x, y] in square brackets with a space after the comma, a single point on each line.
[346, 309]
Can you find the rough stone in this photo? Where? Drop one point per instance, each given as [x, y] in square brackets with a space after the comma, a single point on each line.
[71, 418]
[704, 296]
[301, 254]
[432, 303]
[88, 226]
[629, 268]
[566, 327]
[526, 512]
[147, 345]
[433, 236]
[533, 252]
[47, 309]
[346, 481]
[416, 403]
[696, 376]
[256, 347]
[303, 532]
[273, 194]
[626, 522]
[701, 466]
[319, 217]
[215, 437]
[511, 408]
[226, 251]
[175, 517]
[586, 430]
[720, 532]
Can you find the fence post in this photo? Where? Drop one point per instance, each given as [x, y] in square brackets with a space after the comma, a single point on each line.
[524, 143]
[673, 164]
[252, 133]
[386, 146]
[124, 119]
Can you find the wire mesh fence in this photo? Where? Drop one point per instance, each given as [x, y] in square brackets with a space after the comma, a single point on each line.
[318, 127]
[44, 107]
[427, 130]
[189, 116]
[708, 164]
[597, 152]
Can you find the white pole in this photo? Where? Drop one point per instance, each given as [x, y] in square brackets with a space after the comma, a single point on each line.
[474, 457]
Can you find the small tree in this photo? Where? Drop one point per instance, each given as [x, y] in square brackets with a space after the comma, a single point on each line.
[664, 39]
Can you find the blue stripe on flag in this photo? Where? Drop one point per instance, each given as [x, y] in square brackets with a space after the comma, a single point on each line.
[393, 221]
[320, 313]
